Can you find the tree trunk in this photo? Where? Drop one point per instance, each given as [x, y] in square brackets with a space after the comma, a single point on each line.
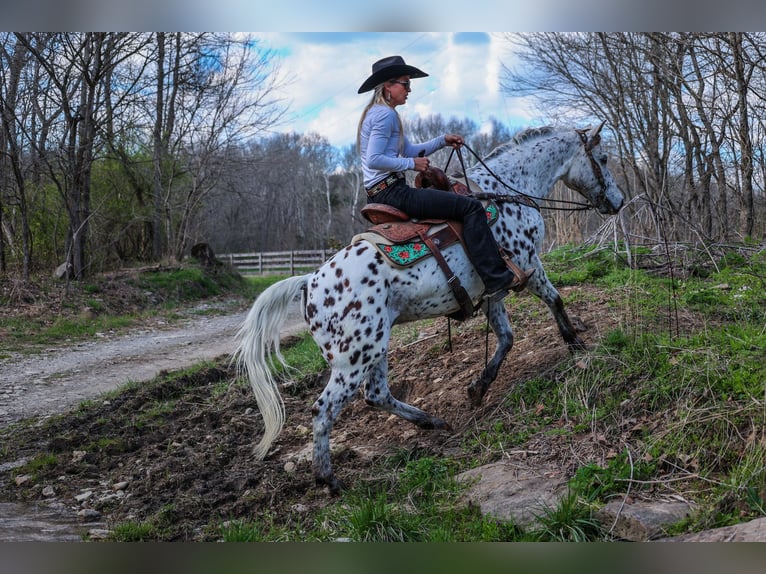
[745, 142]
[158, 243]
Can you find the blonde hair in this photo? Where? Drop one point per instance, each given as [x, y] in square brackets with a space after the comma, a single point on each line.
[378, 97]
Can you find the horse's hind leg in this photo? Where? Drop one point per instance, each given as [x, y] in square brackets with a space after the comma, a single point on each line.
[501, 327]
[378, 395]
[339, 390]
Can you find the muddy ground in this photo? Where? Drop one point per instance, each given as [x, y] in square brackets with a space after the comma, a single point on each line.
[177, 451]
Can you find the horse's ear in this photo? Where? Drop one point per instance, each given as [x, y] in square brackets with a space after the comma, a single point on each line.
[594, 137]
[595, 131]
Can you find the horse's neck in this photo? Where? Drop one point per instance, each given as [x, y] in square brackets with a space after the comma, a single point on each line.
[533, 170]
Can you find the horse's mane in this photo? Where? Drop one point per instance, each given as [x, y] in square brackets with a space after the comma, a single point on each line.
[520, 138]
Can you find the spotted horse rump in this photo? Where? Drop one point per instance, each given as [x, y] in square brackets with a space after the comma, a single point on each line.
[352, 301]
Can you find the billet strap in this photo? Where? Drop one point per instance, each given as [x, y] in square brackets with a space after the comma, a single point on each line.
[461, 295]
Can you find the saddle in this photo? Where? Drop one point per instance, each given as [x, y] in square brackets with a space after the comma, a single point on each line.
[404, 241]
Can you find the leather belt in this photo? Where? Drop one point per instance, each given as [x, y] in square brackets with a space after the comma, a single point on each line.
[384, 184]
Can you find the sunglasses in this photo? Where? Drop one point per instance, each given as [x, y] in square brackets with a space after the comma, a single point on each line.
[405, 83]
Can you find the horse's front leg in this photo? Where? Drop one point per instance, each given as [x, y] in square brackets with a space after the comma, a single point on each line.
[501, 327]
[540, 285]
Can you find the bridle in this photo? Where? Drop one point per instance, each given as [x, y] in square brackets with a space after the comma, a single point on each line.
[574, 205]
[588, 146]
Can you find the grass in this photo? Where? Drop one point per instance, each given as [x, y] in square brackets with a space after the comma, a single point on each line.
[192, 283]
[37, 464]
[82, 312]
[48, 332]
[688, 406]
[415, 502]
[133, 531]
[305, 355]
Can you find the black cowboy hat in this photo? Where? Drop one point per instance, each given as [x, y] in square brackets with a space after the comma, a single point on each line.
[388, 68]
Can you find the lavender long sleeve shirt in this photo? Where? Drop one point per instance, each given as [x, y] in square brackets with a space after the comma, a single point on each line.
[379, 145]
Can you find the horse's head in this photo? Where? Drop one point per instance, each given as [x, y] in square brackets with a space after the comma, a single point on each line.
[589, 175]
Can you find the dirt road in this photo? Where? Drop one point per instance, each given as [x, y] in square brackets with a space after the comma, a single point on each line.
[59, 378]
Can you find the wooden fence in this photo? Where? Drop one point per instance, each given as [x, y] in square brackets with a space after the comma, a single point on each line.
[276, 262]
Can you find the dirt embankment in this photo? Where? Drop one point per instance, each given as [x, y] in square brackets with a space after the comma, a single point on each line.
[178, 453]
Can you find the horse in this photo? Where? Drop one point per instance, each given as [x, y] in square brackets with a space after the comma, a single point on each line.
[352, 301]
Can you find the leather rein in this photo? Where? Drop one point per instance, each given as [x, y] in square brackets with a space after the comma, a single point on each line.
[573, 205]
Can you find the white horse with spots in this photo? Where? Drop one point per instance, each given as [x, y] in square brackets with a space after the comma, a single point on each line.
[354, 299]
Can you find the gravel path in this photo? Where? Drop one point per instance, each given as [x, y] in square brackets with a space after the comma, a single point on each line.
[59, 378]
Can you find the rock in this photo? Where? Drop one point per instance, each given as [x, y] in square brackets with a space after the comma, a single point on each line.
[62, 270]
[516, 493]
[22, 479]
[203, 253]
[89, 514]
[83, 496]
[290, 467]
[641, 521]
[753, 531]
[49, 491]
[122, 485]
[99, 533]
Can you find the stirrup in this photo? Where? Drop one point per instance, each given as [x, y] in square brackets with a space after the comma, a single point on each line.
[496, 296]
[520, 279]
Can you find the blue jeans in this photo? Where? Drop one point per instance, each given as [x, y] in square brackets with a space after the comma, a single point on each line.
[429, 203]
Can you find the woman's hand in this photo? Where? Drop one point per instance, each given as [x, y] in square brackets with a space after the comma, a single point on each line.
[421, 163]
[454, 140]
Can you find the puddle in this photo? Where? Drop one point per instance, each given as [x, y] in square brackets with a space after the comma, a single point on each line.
[40, 523]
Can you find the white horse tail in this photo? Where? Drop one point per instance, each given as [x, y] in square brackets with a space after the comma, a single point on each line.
[258, 340]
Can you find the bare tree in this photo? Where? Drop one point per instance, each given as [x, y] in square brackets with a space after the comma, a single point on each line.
[679, 105]
[11, 146]
[77, 67]
[213, 90]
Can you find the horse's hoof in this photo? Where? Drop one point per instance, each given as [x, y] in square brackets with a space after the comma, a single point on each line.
[434, 423]
[475, 394]
[440, 424]
[334, 485]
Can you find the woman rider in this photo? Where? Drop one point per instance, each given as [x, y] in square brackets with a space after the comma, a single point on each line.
[387, 154]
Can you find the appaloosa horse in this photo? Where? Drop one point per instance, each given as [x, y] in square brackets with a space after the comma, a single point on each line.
[353, 300]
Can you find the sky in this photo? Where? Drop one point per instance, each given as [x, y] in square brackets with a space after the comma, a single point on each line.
[323, 71]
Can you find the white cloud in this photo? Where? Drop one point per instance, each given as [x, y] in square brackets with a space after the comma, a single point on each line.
[327, 70]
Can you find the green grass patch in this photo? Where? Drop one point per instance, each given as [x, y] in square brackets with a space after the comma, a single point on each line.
[40, 463]
[133, 531]
[417, 502]
[45, 332]
[304, 362]
[261, 529]
[573, 265]
[571, 520]
[182, 285]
